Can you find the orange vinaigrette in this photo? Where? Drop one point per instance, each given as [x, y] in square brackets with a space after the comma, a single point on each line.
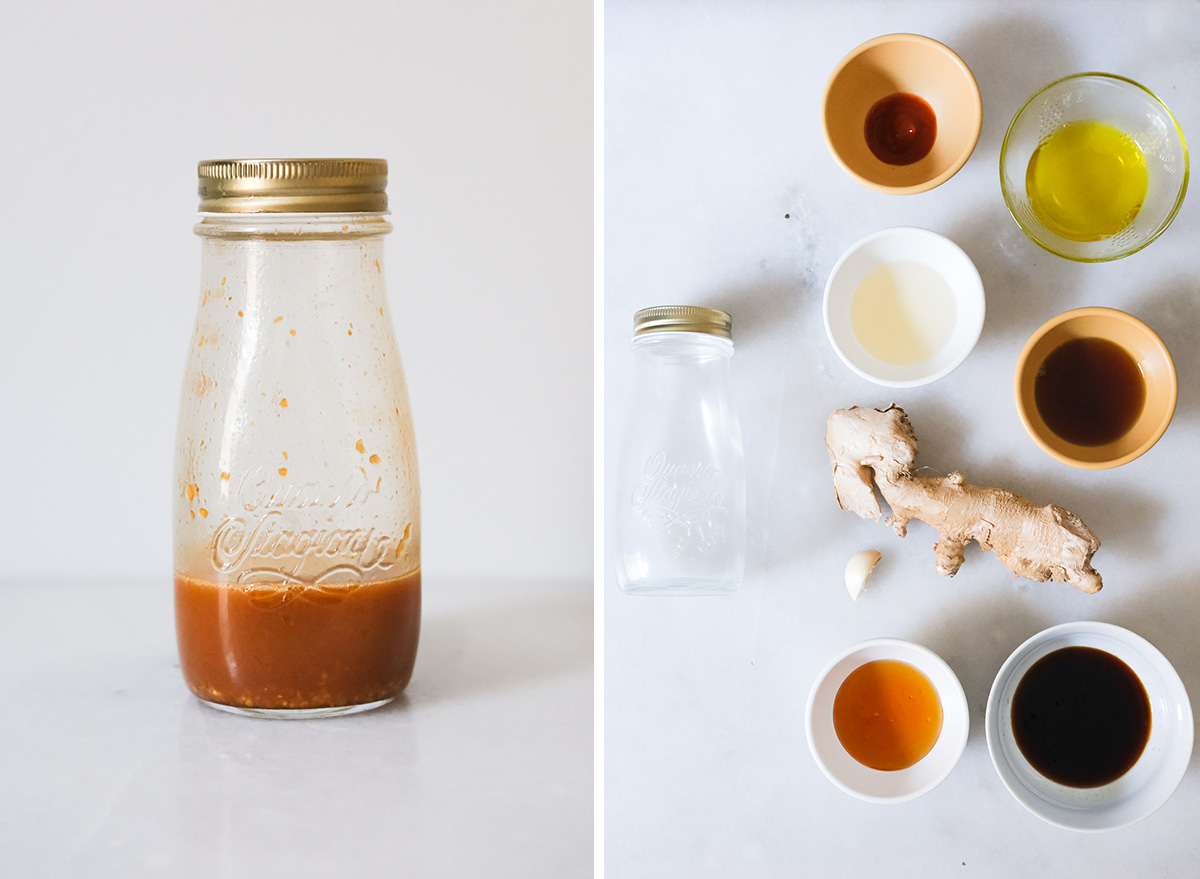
[273, 646]
[887, 714]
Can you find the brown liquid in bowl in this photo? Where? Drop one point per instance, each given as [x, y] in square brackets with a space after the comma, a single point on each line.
[297, 647]
[1081, 717]
[900, 129]
[1090, 391]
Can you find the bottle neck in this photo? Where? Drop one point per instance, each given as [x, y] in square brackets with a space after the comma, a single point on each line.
[682, 346]
[293, 227]
[274, 264]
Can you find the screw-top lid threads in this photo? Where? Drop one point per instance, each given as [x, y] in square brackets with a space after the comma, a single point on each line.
[682, 319]
[293, 185]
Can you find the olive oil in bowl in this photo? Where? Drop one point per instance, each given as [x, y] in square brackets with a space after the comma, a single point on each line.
[1087, 181]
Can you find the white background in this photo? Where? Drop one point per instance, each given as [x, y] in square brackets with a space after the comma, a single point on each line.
[712, 139]
[484, 112]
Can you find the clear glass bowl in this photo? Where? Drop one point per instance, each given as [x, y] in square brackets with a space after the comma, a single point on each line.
[1130, 108]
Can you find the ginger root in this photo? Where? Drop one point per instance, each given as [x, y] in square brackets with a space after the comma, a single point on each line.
[1039, 543]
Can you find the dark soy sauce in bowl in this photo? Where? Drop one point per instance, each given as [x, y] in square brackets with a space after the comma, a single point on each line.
[1081, 717]
[1090, 391]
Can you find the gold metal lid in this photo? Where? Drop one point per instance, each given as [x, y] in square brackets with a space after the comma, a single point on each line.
[293, 186]
[682, 319]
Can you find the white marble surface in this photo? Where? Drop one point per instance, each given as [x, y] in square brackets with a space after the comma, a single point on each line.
[719, 191]
[110, 768]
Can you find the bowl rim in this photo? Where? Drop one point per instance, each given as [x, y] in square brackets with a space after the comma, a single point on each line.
[976, 294]
[1183, 187]
[953, 699]
[977, 108]
[1035, 802]
[1023, 405]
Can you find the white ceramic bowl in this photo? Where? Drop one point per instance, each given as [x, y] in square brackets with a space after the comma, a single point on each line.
[1139, 791]
[904, 244]
[875, 785]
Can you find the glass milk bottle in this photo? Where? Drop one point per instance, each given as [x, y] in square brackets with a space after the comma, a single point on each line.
[681, 505]
[296, 501]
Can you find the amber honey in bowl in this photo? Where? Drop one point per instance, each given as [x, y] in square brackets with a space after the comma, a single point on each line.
[1090, 391]
[887, 714]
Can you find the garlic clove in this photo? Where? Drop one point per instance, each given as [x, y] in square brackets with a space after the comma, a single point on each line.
[858, 571]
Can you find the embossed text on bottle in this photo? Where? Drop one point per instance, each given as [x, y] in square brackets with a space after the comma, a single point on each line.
[272, 541]
[684, 499]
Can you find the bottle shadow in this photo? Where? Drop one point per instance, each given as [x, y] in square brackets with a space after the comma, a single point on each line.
[506, 640]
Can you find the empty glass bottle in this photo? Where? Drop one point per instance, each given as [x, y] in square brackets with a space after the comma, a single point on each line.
[681, 506]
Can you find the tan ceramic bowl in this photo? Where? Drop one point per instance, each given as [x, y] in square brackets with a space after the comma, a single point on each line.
[1147, 350]
[902, 63]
